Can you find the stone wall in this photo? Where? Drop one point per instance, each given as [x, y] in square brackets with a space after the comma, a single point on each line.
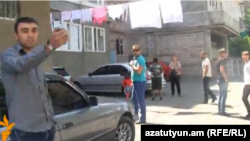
[185, 45]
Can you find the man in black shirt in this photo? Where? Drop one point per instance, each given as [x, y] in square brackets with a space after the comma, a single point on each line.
[222, 81]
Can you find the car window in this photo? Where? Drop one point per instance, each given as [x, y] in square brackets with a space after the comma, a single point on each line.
[3, 106]
[64, 98]
[102, 71]
[61, 72]
[117, 69]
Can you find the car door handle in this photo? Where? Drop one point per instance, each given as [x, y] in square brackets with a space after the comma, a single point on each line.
[67, 125]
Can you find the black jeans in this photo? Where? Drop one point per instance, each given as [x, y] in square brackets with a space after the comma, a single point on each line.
[19, 135]
[207, 90]
[246, 92]
[175, 81]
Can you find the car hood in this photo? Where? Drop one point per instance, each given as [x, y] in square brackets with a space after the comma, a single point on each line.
[115, 103]
[102, 100]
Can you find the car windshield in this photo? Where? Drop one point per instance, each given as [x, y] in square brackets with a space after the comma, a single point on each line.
[61, 71]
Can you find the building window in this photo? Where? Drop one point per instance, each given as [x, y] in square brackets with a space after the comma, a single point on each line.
[94, 39]
[97, 2]
[75, 38]
[119, 46]
[8, 10]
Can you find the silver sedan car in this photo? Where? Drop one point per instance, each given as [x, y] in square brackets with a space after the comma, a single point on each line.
[108, 78]
[80, 117]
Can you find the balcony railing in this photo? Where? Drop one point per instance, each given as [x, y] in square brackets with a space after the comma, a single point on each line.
[232, 8]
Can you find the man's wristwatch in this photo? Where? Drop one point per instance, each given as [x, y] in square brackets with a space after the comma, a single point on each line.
[51, 48]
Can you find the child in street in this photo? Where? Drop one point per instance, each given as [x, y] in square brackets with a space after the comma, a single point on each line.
[127, 84]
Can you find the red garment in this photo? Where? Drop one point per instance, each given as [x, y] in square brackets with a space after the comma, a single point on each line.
[99, 15]
[127, 82]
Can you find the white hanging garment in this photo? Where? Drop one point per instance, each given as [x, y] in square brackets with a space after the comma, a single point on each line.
[144, 14]
[125, 12]
[171, 11]
[76, 15]
[87, 15]
[51, 19]
[115, 11]
[66, 16]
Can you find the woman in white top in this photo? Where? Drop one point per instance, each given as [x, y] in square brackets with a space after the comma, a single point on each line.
[175, 74]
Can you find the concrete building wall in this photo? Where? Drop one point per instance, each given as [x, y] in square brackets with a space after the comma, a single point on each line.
[36, 9]
[79, 63]
[185, 45]
[186, 39]
[247, 4]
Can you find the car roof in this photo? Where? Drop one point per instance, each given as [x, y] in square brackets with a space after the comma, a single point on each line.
[52, 76]
[113, 64]
[125, 63]
[58, 68]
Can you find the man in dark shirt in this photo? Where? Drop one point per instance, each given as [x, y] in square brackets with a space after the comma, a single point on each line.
[156, 78]
[222, 80]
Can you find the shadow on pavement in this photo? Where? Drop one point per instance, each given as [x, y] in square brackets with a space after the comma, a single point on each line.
[192, 113]
[231, 114]
[227, 106]
[159, 112]
[192, 95]
[239, 117]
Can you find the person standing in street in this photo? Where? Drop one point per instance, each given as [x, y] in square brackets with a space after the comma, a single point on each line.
[222, 80]
[28, 102]
[139, 80]
[156, 78]
[246, 90]
[206, 75]
[175, 75]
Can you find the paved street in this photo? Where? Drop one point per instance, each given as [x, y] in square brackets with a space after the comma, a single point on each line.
[188, 110]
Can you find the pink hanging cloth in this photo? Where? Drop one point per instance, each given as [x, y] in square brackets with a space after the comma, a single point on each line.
[99, 15]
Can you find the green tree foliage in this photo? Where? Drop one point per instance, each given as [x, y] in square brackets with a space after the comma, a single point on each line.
[242, 42]
[247, 21]
[239, 44]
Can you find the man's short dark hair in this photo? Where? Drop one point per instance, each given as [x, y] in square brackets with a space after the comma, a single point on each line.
[155, 60]
[23, 20]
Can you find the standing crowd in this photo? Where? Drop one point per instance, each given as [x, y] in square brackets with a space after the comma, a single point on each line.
[139, 68]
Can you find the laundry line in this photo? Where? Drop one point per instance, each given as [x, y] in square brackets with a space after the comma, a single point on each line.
[144, 13]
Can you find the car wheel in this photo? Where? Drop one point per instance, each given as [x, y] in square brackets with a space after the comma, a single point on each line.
[78, 85]
[125, 130]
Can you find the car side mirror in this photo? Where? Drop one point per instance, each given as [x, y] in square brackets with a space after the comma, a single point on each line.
[93, 101]
[89, 74]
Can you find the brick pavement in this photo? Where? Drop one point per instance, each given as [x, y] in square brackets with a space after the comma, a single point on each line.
[188, 110]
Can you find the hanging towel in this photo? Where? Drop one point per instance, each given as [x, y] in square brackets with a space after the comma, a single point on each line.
[145, 14]
[115, 11]
[66, 16]
[99, 15]
[171, 11]
[76, 15]
[125, 12]
[87, 15]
